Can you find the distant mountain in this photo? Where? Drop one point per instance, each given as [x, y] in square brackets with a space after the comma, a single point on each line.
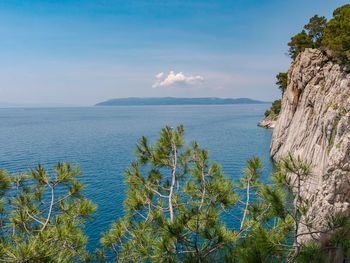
[176, 101]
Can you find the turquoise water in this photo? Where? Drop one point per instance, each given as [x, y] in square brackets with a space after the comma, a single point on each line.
[101, 141]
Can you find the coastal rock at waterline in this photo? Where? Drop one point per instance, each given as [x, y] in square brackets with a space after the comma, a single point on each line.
[314, 123]
[267, 123]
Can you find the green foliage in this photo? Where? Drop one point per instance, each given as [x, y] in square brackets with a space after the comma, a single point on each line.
[337, 35]
[315, 28]
[292, 165]
[274, 110]
[311, 253]
[299, 43]
[42, 216]
[282, 81]
[177, 201]
[173, 205]
[276, 107]
[180, 207]
[333, 37]
[311, 38]
[258, 246]
[267, 113]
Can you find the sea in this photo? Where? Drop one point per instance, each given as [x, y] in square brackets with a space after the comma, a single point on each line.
[101, 141]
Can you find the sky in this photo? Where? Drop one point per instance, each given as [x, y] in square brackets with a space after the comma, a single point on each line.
[84, 52]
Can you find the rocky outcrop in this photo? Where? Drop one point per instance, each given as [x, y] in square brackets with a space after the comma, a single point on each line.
[268, 123]
[314, 123]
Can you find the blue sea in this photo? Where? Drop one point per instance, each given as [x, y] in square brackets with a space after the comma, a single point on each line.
[102, 139]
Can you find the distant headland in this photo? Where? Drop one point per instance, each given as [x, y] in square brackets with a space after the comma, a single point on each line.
[177, 101]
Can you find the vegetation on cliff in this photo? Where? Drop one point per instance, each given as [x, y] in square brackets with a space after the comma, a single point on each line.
[332, 37]
[275, 108]
[282, 81]
[310, 37]
[336, 37]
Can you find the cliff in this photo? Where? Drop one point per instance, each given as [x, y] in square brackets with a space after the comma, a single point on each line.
[314, 123]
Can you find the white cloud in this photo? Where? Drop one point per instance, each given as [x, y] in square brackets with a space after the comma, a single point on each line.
[176, 78]
[160, 75]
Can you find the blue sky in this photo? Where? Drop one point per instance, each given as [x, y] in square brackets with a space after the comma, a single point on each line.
[84, 52]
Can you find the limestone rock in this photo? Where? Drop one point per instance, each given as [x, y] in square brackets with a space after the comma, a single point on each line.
[314, 123]
[267, 123]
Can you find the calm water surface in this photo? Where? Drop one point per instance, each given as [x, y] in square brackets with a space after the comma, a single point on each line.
[101, 140]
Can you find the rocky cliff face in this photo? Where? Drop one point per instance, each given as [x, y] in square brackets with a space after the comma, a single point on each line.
[314, 124]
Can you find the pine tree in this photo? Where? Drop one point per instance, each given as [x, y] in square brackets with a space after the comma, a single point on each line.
[336, 38]
[310, 37]
[293, 172]
[299, 43]
[315, 29]
[42, 216]
[282, 81]
[173, 205]
[181, 208]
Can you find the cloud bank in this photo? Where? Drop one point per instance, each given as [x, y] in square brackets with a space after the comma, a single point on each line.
[175, 79]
